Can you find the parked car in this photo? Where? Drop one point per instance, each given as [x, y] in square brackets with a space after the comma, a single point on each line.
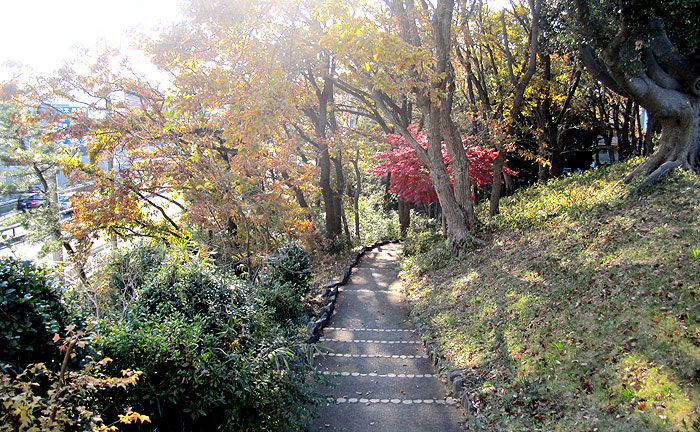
[31, 201]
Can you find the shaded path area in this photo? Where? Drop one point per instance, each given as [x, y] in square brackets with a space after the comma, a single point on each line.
[384, 378]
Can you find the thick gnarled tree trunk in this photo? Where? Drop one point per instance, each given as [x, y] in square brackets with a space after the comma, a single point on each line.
[678, 145]
[660, 78]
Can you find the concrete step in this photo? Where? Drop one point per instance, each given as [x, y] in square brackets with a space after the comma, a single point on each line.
[370, 310]
[381, 377]
[372, 337]
[380, 365]
[387, 387]
[389, 417]
[369, 333]
[383, 348]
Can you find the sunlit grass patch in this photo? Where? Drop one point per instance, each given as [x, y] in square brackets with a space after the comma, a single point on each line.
[543, 316]
[569, 198]
[650, 391]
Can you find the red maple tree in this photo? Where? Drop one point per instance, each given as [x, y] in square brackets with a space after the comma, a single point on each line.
[410, 177]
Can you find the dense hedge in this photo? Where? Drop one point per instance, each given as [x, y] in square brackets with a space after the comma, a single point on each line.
[30, 314]
[208, 351]
[214, 353]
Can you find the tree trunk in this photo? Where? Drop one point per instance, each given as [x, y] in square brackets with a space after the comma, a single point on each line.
[332, 218]
[664, 81]
[320, 119]
[557, 145]
[496, 181]
[404, 217]
[358, 189]
[387, 197]
[436, 115]
[338, 194]
[458, 221]
[652, 129]
[110, 166]
[459, 163]
[678, 146]
[518, 99]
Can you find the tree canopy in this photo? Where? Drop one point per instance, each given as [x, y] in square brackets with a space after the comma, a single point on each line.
[271, 111]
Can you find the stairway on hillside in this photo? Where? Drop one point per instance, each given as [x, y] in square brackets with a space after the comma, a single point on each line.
[384, 379]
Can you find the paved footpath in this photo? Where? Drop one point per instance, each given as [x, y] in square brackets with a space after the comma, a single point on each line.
[384, 378]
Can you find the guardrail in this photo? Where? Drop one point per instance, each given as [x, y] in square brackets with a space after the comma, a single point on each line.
[12, 238]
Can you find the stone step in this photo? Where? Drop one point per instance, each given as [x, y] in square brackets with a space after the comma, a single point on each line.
[378, 375]
[370, 310]
[393, 401]
[375, 341]
[383, 277]
[371, 330]
[386, 387]
[368, 291]
[370, 334]
[389, 417]
[364, 289]
[380, 365]
[383, 348]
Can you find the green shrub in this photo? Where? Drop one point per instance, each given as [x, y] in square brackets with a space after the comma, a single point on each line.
[212, 355]
[291, 264]
[30, 314]
[422, 240]
[377, 221]
[128, 271]
[191, 288]
[285, 302]
[436, 258]
[285, 283]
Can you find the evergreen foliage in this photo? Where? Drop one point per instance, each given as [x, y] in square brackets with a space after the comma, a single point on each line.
[215, 353]
[30, 314]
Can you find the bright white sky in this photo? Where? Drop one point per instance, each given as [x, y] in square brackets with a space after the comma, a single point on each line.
[42, 34]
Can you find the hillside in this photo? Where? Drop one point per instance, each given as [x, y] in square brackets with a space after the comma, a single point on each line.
[579, 312]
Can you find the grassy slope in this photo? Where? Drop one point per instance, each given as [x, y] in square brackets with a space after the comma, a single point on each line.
[582, 309]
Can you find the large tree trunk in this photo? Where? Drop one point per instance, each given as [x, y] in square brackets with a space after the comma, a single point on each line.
[624, 144]
[457, 210]
[664, 81]
[652, 130]
[460, 165]
[457, 220]
[338, 193]
[678, 146]
[358, 191]
[320, 119]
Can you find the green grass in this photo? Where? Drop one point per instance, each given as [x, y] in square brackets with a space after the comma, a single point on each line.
[582, 309]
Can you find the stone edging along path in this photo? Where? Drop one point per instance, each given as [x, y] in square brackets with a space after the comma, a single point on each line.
[315, 327]
[330, 294]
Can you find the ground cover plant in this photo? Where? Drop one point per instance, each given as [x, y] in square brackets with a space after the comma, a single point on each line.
[580, 312]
